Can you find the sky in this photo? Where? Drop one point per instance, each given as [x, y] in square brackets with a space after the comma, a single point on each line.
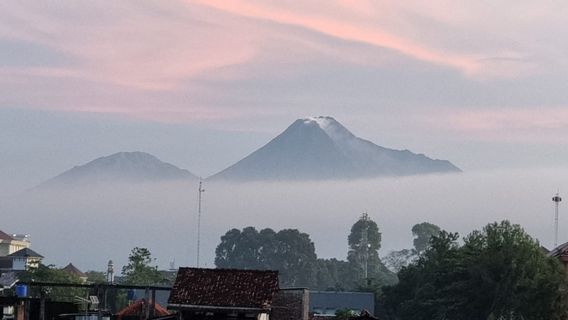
[201, 84]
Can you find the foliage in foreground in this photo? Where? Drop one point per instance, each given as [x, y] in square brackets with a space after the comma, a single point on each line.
[49, 273]
[498, 273]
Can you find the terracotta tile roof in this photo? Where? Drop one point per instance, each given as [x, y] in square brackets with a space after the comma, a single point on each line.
[5, 236]
[226, 288]
[74, 270]
[137, 309]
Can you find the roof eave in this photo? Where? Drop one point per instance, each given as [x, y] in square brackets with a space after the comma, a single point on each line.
[221, 308]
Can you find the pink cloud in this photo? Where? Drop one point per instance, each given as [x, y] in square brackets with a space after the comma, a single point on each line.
[351, 30]
[137, 48]
[152, 59]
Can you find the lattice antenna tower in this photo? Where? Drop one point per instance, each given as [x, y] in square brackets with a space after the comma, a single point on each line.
[365, 243]
[200, 197]
[556, 199]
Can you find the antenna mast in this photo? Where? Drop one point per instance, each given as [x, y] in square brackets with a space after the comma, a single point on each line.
[365, 244]
[200, 191]
[556, 199]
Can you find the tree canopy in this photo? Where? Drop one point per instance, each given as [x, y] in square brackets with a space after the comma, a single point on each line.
[289, 251]
[422, 233]
[139, 270]
[363, 256]
[498, 273]
[292, 253]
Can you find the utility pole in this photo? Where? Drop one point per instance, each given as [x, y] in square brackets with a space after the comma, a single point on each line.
[200, 192]
[556, 199]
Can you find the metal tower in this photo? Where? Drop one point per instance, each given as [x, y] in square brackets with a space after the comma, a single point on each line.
[200, 192]
[556, 199]
[365, 244]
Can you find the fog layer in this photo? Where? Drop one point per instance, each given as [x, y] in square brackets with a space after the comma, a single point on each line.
[92, 224]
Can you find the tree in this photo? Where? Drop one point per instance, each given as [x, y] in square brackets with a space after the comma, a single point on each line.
[364, 244]
[498, 273]
[422, 233]
[139, 270]
[96, 277]
[396, 260]
[49, 273]
[289, 251]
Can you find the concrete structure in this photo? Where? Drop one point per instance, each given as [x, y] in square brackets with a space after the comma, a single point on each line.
[12, 243]
[327, 303]
[25, 259]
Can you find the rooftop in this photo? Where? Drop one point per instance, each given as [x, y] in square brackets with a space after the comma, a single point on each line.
[5, 236]
[196, 288]
[26, 252]
[137, 309]
[74, 270]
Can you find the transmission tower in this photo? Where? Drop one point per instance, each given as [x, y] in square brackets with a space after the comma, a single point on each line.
[200, 193]
[556, 199]
[365, 244]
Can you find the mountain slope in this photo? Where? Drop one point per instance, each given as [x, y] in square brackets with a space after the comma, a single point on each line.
[321, 148]
[120, 167]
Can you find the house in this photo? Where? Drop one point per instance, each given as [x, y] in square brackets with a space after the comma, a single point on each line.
[24, 259]
[561, 253]
[71, 269]
[223, 293]
[12, 243]
[327, 303]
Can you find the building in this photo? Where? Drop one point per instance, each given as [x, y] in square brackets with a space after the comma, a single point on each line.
[327, 303]
[561, 253]
[137, 310]
[71, 269]
[223, 293]
[12, 243]
[25, 259]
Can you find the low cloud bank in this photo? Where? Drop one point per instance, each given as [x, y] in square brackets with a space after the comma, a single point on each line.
[90, 225]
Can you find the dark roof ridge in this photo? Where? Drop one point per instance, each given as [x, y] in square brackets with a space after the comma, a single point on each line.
[26, 252]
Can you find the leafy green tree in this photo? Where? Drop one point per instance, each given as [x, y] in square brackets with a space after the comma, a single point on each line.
[96, 277]
[51, 274]
[344, 314]
[289, 251]
[364, 243]
[396, 260]
[422, 233]
[139, 270]
[498, 273]
[331, 275]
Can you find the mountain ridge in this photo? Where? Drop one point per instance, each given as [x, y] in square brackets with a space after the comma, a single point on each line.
[322, 148]
[135, 166]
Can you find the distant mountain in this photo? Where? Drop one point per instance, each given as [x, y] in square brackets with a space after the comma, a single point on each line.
[120, 167]
[321, 148]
